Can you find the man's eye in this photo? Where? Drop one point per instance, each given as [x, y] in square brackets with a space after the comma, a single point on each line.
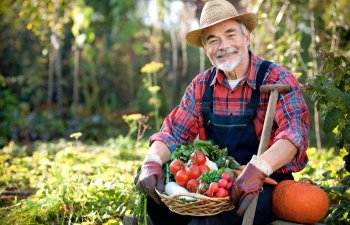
[212, 42]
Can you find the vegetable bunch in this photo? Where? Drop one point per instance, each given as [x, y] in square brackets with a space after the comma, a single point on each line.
[193, 170]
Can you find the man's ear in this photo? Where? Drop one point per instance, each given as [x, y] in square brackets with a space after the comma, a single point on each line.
[247, 37]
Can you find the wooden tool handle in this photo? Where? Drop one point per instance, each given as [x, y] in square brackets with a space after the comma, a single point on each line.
[264, 141]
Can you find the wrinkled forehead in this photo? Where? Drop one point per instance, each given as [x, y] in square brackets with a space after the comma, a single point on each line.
[227, 26]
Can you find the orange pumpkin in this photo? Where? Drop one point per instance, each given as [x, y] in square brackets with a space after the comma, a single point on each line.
[299, 202]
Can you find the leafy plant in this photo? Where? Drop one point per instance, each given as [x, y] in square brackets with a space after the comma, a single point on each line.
[330, 91]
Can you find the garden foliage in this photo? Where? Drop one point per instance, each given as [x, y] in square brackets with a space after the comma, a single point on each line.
[74, 183]
[330, 91]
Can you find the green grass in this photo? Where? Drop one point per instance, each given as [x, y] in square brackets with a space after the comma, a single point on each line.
[75, 183]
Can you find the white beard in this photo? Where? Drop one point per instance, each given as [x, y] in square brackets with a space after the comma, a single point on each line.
[229, 66]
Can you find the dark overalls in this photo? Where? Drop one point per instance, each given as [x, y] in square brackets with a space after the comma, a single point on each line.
[237, 133]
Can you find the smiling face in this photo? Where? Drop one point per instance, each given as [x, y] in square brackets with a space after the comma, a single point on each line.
[226, 45]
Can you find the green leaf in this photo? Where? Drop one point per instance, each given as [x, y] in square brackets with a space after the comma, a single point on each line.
[331, 120]
[345, 99]
[340, 188]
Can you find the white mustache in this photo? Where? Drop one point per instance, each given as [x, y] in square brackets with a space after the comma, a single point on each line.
[224, 52]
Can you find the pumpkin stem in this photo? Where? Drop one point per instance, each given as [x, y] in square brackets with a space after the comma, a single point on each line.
[307, 180]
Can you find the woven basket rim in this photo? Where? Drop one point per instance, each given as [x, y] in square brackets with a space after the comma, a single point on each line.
[193, 195]
[198, 207]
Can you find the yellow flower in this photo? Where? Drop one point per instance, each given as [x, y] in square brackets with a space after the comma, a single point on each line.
[153, 89]
[132, 117]
[152, 67]
[76, 135]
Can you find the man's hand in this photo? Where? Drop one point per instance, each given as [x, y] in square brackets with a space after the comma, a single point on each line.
[246, 187]
[151, 176]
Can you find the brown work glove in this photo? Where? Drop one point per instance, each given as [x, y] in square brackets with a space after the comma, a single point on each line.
[246, 186]
[151, 176]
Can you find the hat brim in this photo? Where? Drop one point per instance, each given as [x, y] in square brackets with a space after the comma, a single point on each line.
[250, 20]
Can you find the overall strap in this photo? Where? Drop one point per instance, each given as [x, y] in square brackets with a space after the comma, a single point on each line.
[254, 99]
[207, 101]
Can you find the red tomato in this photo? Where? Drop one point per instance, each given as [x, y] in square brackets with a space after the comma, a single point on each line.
[192, 185]
[204, 168]
[226, 176]
[176, 165]
[221, 193]
[214, 187]
[223, 183]
[181, 178]
[193, 172]
[203, 187]
[198, 158]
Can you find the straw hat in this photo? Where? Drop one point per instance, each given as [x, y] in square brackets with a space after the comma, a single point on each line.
[217, 11]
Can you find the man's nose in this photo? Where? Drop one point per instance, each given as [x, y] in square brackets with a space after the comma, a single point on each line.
[223, 44]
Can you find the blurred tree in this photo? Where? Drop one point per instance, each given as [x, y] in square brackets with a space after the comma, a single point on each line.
[83, 35]
[39, 41]
[46, 19]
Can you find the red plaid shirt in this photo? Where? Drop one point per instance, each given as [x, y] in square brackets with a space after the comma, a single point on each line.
[185, 122]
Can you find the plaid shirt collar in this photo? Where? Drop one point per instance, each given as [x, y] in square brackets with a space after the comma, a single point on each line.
[250, 77]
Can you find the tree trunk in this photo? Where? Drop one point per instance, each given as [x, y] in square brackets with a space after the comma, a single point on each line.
[76, 83]
[184, 58]
[315, 71]
[50, 77]
[95, 90]
[174, 64]
[90, 89]
[58, 71]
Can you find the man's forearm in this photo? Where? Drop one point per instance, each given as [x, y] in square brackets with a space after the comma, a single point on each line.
[280, 153]
[160, 149]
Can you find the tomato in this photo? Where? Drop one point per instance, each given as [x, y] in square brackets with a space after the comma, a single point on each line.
[202, 187]
[181, 178]
[193, 172]
[226, 176]
[192, 185]
[223, 183]
[214, 187]
[221, 193]
[204, 168]
[198, 158]
[176, 165]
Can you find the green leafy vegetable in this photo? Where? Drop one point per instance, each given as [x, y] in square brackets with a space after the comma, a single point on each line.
[209, 177]
[210, 149]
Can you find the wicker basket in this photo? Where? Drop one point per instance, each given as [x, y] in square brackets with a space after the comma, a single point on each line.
[200, 206]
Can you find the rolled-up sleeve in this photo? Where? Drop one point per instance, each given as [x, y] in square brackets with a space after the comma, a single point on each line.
[292, 117]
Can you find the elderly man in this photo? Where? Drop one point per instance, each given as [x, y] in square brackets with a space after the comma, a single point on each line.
[224, 104]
